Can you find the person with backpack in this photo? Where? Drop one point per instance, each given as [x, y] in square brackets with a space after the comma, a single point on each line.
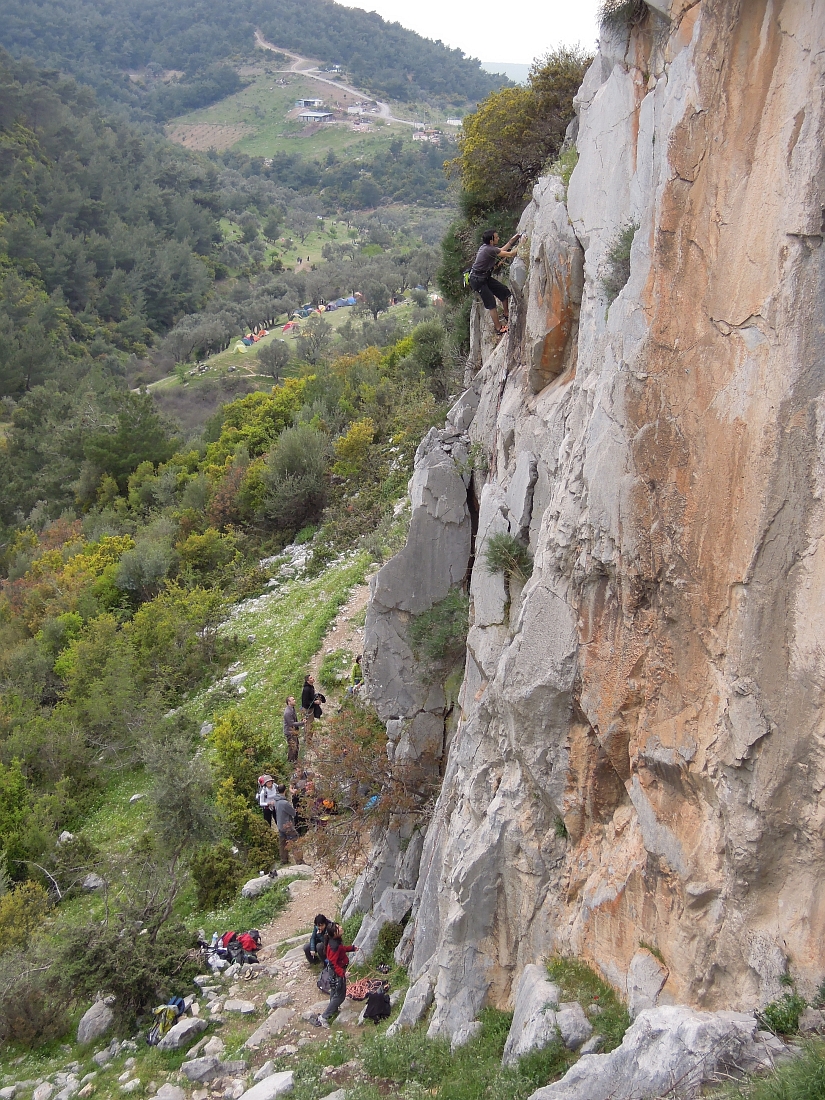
[307, 696]
[482, 281]
[337, 958]
[288, 839]
[266, 797]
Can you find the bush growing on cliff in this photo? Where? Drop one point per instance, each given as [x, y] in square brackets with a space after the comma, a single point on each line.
[617, 262]
[504, 144]
[505, 554]
[622, 13]
[441, 633]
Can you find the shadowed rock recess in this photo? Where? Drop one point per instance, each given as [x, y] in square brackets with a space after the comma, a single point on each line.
[636, 755]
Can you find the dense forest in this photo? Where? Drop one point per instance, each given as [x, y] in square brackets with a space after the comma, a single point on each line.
[101, 43]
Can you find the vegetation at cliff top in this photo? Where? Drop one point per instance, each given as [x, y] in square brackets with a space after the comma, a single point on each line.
[503, 148]
[506, 141]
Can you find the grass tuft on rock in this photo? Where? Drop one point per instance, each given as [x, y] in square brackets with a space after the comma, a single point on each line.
[579, 982]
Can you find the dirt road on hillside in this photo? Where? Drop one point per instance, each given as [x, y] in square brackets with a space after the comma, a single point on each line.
[304, 66]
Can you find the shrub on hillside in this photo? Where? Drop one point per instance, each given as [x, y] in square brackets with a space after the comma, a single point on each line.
[217, 874]
[388, 939]
[32, 1012]
[140, 970]
[22, 911]
[505, 554]
[294, 479]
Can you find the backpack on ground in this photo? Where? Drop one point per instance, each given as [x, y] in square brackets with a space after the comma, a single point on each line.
[326, 979]
[166, 1016]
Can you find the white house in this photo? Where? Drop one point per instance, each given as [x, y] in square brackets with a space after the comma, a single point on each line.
[315, 116]
[309, 103]
[452, 122]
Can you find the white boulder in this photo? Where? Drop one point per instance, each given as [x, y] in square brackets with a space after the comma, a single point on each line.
[95, 1022]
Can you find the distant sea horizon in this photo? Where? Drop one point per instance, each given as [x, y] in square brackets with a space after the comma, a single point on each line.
[509, 68]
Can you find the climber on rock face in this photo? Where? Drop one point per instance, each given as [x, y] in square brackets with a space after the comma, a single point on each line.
[481, 276]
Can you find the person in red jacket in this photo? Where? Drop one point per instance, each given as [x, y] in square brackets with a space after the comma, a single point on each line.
[337, 958]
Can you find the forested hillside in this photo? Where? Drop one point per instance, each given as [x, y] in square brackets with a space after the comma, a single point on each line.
[100, 43]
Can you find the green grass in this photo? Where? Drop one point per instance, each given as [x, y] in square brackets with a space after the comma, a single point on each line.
[470, 1073]
[801, 1078]
[578, 982]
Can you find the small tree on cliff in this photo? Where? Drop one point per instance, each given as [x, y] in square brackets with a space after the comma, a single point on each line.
[505, 143]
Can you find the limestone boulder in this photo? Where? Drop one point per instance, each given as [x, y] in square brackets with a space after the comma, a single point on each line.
[539, 1019]
[182, 1033]
[202, 1070]
[95, 1022]
[665, 1045]
[257, 886]
[273, 1025]
[168, 1091]
[392, 907]
[277, 1084]
[645, 978]
[418, 999]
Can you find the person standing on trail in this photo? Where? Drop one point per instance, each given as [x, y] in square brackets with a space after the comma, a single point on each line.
[356, 677]
[288, 839]
[266, 797]
[291, 729]
[307, 697]
[482, 281]
[337, 958]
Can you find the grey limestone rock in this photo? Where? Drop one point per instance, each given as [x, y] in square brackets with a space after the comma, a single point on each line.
[95, 1022]
[265, 1070]
[392, 906]
[182, 1033]
[168, 1091]
[812, 1020]
[279, 1000]
[339, 1094]
[272, 1025]
[277, 1084]
[202, 1070]
[43, 1091]
[534, 1016]
[93, 882]
[257, 886]
[299, 870]
[664, 1046]
[245, 1008]
[645, 978]
[462, 412]
[465, 1034]
[418, 1000]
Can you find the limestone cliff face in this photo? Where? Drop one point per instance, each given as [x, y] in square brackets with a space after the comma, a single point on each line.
[640, 755]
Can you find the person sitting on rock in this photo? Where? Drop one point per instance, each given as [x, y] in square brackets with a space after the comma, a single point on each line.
[316, 949]
[482, 281]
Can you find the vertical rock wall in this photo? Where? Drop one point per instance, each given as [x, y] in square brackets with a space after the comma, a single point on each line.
[640, 751]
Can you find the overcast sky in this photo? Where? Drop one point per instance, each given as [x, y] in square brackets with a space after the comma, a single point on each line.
[495, 30]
